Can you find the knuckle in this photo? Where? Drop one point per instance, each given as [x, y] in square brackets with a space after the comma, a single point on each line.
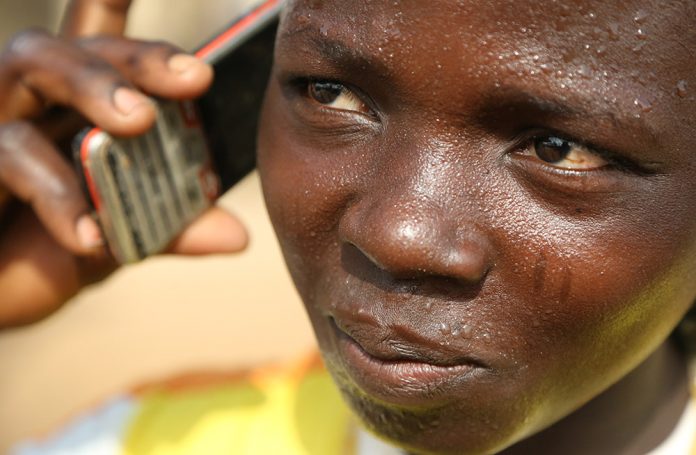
[132, 56]
[163, 48]
[25, 44]
[94, 72]
[54, 192]
[149, 50]
[93, 43]
[20, 158]
[14, 135]
[93, 66]
[58, 190]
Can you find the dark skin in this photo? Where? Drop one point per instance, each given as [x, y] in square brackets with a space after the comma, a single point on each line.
[487, 208]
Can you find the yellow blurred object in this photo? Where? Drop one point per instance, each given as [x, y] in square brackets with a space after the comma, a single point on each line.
[294, 412]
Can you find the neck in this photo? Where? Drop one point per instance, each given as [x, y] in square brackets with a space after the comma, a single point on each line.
[633, 416]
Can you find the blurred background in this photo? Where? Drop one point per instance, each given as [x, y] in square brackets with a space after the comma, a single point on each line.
[166, 316]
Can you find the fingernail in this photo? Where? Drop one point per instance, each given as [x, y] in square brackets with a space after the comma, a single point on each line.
[88, 233]
[127, 100]
[180, 63]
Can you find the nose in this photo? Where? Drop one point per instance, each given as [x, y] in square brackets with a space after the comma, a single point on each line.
[410, 237]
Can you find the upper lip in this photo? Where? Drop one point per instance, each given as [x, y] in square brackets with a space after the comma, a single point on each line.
[403, 344]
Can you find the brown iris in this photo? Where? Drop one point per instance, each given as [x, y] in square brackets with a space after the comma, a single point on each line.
[552, 149]
[325, 92]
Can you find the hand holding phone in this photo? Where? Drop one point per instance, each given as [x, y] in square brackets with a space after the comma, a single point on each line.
[146, 189]
[49, 245]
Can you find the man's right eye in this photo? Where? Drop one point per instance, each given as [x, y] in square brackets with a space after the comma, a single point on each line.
[336, 96]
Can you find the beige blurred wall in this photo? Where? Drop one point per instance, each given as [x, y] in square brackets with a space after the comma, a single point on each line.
[18, 14]
[162, 317]
[183, 22]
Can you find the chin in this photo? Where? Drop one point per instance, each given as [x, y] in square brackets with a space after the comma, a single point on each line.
[460, 428]
[433, 432]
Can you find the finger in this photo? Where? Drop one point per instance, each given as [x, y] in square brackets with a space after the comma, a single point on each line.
[39, 275]
[158, 68]
[34, 172]
[214, 232]
[59, 72]
[95, 17]
[17, 101]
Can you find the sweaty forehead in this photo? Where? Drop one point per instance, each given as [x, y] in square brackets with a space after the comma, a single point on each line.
[547, 13]
[569, 24]
[626, 37]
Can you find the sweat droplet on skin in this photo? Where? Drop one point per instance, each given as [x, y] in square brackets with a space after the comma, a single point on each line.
[614, 31]
[639, 47]
[445, 328]
[467, 330]
[464, 331]
[584, 71]
[640, 17]
[643, 104]
[304, 20]
[682, 89]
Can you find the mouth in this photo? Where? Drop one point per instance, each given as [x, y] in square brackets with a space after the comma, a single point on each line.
[405, 374]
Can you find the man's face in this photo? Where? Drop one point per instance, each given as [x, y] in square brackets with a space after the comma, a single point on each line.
[488, 207]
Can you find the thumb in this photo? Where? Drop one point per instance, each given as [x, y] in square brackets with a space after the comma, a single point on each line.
[216, 231]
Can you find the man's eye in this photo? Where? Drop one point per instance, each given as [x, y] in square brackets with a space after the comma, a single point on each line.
[565, 154]
[336, 96]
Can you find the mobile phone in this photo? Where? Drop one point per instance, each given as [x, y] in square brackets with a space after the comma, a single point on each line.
[145, 190]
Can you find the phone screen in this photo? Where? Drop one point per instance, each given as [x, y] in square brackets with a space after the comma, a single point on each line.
[230, 109]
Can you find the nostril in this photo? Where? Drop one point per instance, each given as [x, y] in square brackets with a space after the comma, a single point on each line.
[361, 256]
[468, 263]
[356, 263]
[377, 262]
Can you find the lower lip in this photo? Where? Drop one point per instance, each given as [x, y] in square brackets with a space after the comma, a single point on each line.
[402, 382]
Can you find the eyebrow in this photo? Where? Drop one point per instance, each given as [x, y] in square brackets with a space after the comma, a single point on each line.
[339, 53]
[513, 98]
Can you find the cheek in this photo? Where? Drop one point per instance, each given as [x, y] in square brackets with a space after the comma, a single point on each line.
[594, 296]
[305, 191]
